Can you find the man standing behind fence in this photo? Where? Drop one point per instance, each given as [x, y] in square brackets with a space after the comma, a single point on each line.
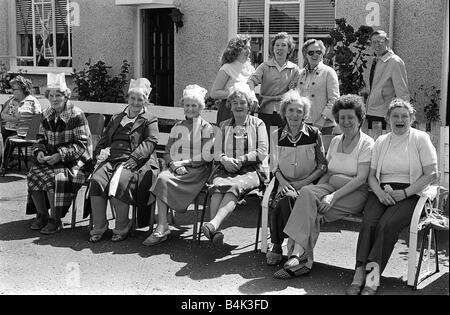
[387, 79]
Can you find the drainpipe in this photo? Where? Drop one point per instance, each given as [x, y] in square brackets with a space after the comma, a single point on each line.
[391, 23]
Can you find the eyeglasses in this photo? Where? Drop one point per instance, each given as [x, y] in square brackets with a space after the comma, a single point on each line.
[378, 42]
[312, 52]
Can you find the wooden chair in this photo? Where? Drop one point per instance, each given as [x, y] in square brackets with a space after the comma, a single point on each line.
[19, 143]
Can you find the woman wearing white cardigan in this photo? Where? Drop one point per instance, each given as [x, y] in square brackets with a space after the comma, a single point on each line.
[404, 164]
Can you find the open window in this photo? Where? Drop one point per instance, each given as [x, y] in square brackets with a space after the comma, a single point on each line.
[42, 35]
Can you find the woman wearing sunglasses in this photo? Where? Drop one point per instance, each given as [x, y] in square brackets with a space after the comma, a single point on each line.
[320, 84]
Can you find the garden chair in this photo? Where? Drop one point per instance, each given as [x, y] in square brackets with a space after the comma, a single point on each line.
[19, 143]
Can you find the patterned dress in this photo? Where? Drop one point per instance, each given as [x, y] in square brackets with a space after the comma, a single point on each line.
[67, 134]
[248, 144]
[179, 191]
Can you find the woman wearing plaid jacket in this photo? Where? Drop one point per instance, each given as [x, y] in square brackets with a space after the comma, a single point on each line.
[62, 151]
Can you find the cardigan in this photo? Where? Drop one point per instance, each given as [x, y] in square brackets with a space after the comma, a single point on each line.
[421, 153]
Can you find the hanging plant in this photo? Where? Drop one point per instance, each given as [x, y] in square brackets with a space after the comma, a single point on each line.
[177, 18]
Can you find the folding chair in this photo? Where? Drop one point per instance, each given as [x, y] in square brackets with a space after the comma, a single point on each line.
[19, 143]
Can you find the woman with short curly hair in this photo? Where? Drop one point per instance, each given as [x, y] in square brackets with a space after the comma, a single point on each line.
[241, 151]
[236, 67]
[19, 110]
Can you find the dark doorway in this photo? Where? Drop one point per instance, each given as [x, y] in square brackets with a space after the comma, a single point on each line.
[158, 54]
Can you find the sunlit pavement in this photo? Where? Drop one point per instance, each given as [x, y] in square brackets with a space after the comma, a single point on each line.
[65, 263]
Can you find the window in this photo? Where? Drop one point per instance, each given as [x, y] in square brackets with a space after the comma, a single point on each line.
[283, 16]
[42, 34]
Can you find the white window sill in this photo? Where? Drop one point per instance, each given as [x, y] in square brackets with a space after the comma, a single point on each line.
[42, 70]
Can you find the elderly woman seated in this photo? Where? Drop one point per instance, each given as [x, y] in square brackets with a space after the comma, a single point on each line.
[242, 151]
[404, 164]
[341, 191]
[297, 160]
[126, 164]
[17, 112]
[188, 153]
[63, 154]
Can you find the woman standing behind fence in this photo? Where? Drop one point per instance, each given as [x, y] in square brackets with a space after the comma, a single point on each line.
[236, 67]
[404, 164]
[188, 153]
[276, 76]
[341, 191]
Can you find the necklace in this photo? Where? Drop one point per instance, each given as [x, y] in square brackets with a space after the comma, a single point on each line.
[350, 143]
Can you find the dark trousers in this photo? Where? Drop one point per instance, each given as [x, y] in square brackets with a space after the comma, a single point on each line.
[279, 217]
[381, 227]
[271, 120]
[370, 119]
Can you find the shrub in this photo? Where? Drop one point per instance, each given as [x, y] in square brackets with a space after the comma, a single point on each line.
[96, 84]
[429, 98]
[347, 55]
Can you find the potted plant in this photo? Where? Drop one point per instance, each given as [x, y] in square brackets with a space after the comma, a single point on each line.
[429, 98]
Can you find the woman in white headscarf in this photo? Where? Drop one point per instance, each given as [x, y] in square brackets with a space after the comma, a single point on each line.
[187, 156]
[125, 152]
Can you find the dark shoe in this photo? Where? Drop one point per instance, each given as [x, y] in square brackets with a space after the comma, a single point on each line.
[53, 226]
[217, 239]
[290, 273]
[209, 230]
[40, 222]
[353, 289]
[369, 291]
[156, 238]
[273, 259]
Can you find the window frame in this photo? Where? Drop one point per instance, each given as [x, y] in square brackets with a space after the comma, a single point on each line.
[14, 67]
[233, 24]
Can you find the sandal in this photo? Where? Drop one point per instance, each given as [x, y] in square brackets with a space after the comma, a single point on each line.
[118, 237]
[303, 259]
[95, 238]
[273, 259]
[291, 273]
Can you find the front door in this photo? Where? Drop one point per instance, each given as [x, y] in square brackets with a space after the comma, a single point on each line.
[158, 54]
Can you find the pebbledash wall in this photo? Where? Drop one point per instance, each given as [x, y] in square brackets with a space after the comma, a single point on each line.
[417, 34]
[108, 31]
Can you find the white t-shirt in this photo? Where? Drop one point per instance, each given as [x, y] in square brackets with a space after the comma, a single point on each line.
[347, 163]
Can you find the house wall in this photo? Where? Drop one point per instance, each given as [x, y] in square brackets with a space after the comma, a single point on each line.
[417, 39]
[106, 32]
[199, 43]
[4, 48]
